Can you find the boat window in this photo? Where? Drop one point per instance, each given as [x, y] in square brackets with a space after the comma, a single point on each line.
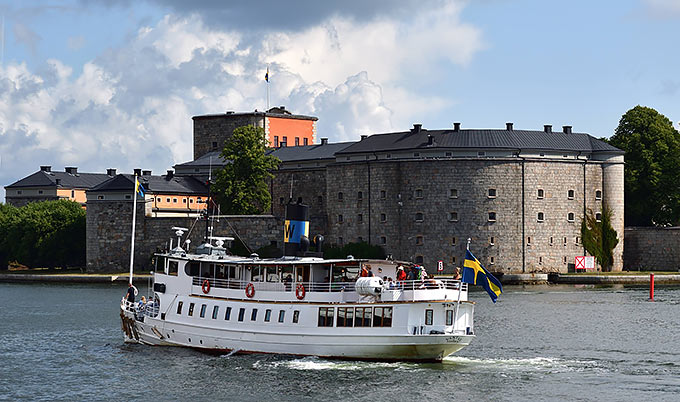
[173, 267]
[267, 315]
[428, 317]
[301, 273]
[192, 268]
[257, 274]
[326, 316]
[253, 315]
[273, 274]
[282, 315]
[362, 317]
[233, 272]
[160, 264]
[191, 309]
[449, 317]
[286, 271]
[179, 307]
[216, 309]
[296, 316]
[227, 314]
[220, 272]
[241, 313]
[382, 317]
[207, 270]
[203, 307]
[345, 317]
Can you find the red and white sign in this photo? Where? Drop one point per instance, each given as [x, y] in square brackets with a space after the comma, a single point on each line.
[584, 262]
[440, 265]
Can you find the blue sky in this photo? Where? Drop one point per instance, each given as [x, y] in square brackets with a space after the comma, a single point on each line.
[99, 84]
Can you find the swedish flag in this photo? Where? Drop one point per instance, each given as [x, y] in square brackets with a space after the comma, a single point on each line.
[475, 274]
[266, 76]
[139, 188]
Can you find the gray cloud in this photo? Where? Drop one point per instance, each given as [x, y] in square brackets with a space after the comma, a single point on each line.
[26, 36]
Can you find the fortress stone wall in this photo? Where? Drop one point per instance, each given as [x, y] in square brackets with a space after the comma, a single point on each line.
[652, 248]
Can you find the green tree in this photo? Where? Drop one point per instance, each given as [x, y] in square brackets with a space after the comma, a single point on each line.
[599, 237]
[652, 188]
[241, 186]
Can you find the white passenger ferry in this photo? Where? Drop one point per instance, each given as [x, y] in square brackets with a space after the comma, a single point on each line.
[211, 300]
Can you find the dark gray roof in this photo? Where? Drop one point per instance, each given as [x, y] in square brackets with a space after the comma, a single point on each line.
[67, 180]
[155, 184]
[256, 113]
[309, 152]
[481, 139]
[212, 158]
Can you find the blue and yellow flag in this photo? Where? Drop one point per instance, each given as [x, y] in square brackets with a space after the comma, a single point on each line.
[474, 273]
[266, 76]
[139, 188]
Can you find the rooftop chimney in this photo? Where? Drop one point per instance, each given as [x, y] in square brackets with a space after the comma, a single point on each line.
[566, 129]
[138, 172]
[282, 107]
[46, 168]
[71, 170]
[508, 126]
[111, 172]
[430, 139]
[416, 128]
[363, 136]
[456, 126]
[547, 128]
[169, 174]
[58, 182]
[232, 112]
[324, 141]
[146, 173]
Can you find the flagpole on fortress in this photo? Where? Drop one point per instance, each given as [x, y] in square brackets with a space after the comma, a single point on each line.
[134, 218]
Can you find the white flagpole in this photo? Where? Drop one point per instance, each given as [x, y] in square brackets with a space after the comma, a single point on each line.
[267, 88]
[460, 288]
[134, 218]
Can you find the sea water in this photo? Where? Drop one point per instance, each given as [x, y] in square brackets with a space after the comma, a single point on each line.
[64, 342]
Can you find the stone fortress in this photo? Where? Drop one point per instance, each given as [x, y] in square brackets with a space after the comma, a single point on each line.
[519, 195]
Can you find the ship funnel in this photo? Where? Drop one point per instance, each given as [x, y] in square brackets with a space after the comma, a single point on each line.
[295, 227]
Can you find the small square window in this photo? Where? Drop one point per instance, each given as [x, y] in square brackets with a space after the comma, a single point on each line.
[281, 201]
[540, 260]
[453, 241]
[540, 194]
[360, 218]
[296, 316]
[449, 154]
[419, 193]
[492, 260]
[216, 310]
[453, 260]
[419, 216]
[598, 194]
[383, 240]
[449, 317]
[564, 260]
[214, 144]
[174, 200]
[453, 216]
[253, 315]
[340, 241]
[540, 217]
[389, 156]
[564, 241]
[492, 217]
[598, 217]
[340, 196]
[128, 197]
[100, 197]
[419, 259]
[191, 201]
[481, 153]
[297, 141]
[428, 316]
[570, 217]
[419, 240]
[383, 217]
[360, 239]
[578, 240]
[305, 141]
[319, 199]
[453, 193]
[340, 218]
[551, 240]
[383, 194]
[416, 154]
[167, 200]
[360, 195]
[241, 313]
[19, 192]
[203, 307]
[227, 314]
[40, 191]
[529, 240]
[492, 241]
[570, 194]
[191, 310]
[276, 141]
[492, 193]
[282, 315]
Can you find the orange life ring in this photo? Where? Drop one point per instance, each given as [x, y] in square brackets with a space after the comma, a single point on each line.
[300, 291]
[206, 286]
[250, 290]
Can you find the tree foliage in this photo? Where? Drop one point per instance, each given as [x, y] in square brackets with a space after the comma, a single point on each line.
[43, 234]
[241, 186]
[652, 188]
[599, 237]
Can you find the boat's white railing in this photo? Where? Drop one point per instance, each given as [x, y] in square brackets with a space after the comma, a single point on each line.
[149, 309]
[326, 286]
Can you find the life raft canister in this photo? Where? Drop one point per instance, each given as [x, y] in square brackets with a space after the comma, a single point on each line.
[250, 290]
[300, 291]
[206, 286]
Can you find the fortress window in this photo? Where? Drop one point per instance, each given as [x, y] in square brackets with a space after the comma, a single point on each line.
[360, 195]
[128, 197]
[241, 313]
[340, 241]
[419, 240]
[453, 216]
[281, 201]
[453, 193]
[540, 194]
[389, 156]
[598, 194]
[326, 316]
[540, 260]
[529, 240]
[382, 317]
[419, 193]
[203, 307]
[383, 218]
[296, 316]
[428, 316]
[541, 217]
[570, 194]
[40, 191]
[570, 217]
[492, 260]
[184, 200]
[297, 141]
[179, 307]
[174, 200]
[340, 218]
[253, 315]
[345, 317]
[216, 310]
[453, 260]
[319, 200]
[481, 153]
[383, 194]
[285, 141]
[492, 217]
[214, 145]
[305, 141]
[598, 217]
[492, 241]
[453, 241]
[100, 197]
[419, 216]
[416, 154]
[383, 240]
[167, 200]
[73, 194]
[267, 315]
[419, 259]
[282, 315]
[360, 239]
[191, 309]
[578, 240]
[340, 196]
[191, 200]
[492, 193]
[19, 192]
[564, 241]
[276, 141]
[565, 155]
[551, 240]
[360, 218]
[564, 260]
[542, 154]
[227, 314]
[448, 154]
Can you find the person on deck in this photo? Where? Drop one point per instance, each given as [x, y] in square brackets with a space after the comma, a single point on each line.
[131, 294]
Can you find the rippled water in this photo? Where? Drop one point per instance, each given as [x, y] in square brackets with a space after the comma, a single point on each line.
[537, 343]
